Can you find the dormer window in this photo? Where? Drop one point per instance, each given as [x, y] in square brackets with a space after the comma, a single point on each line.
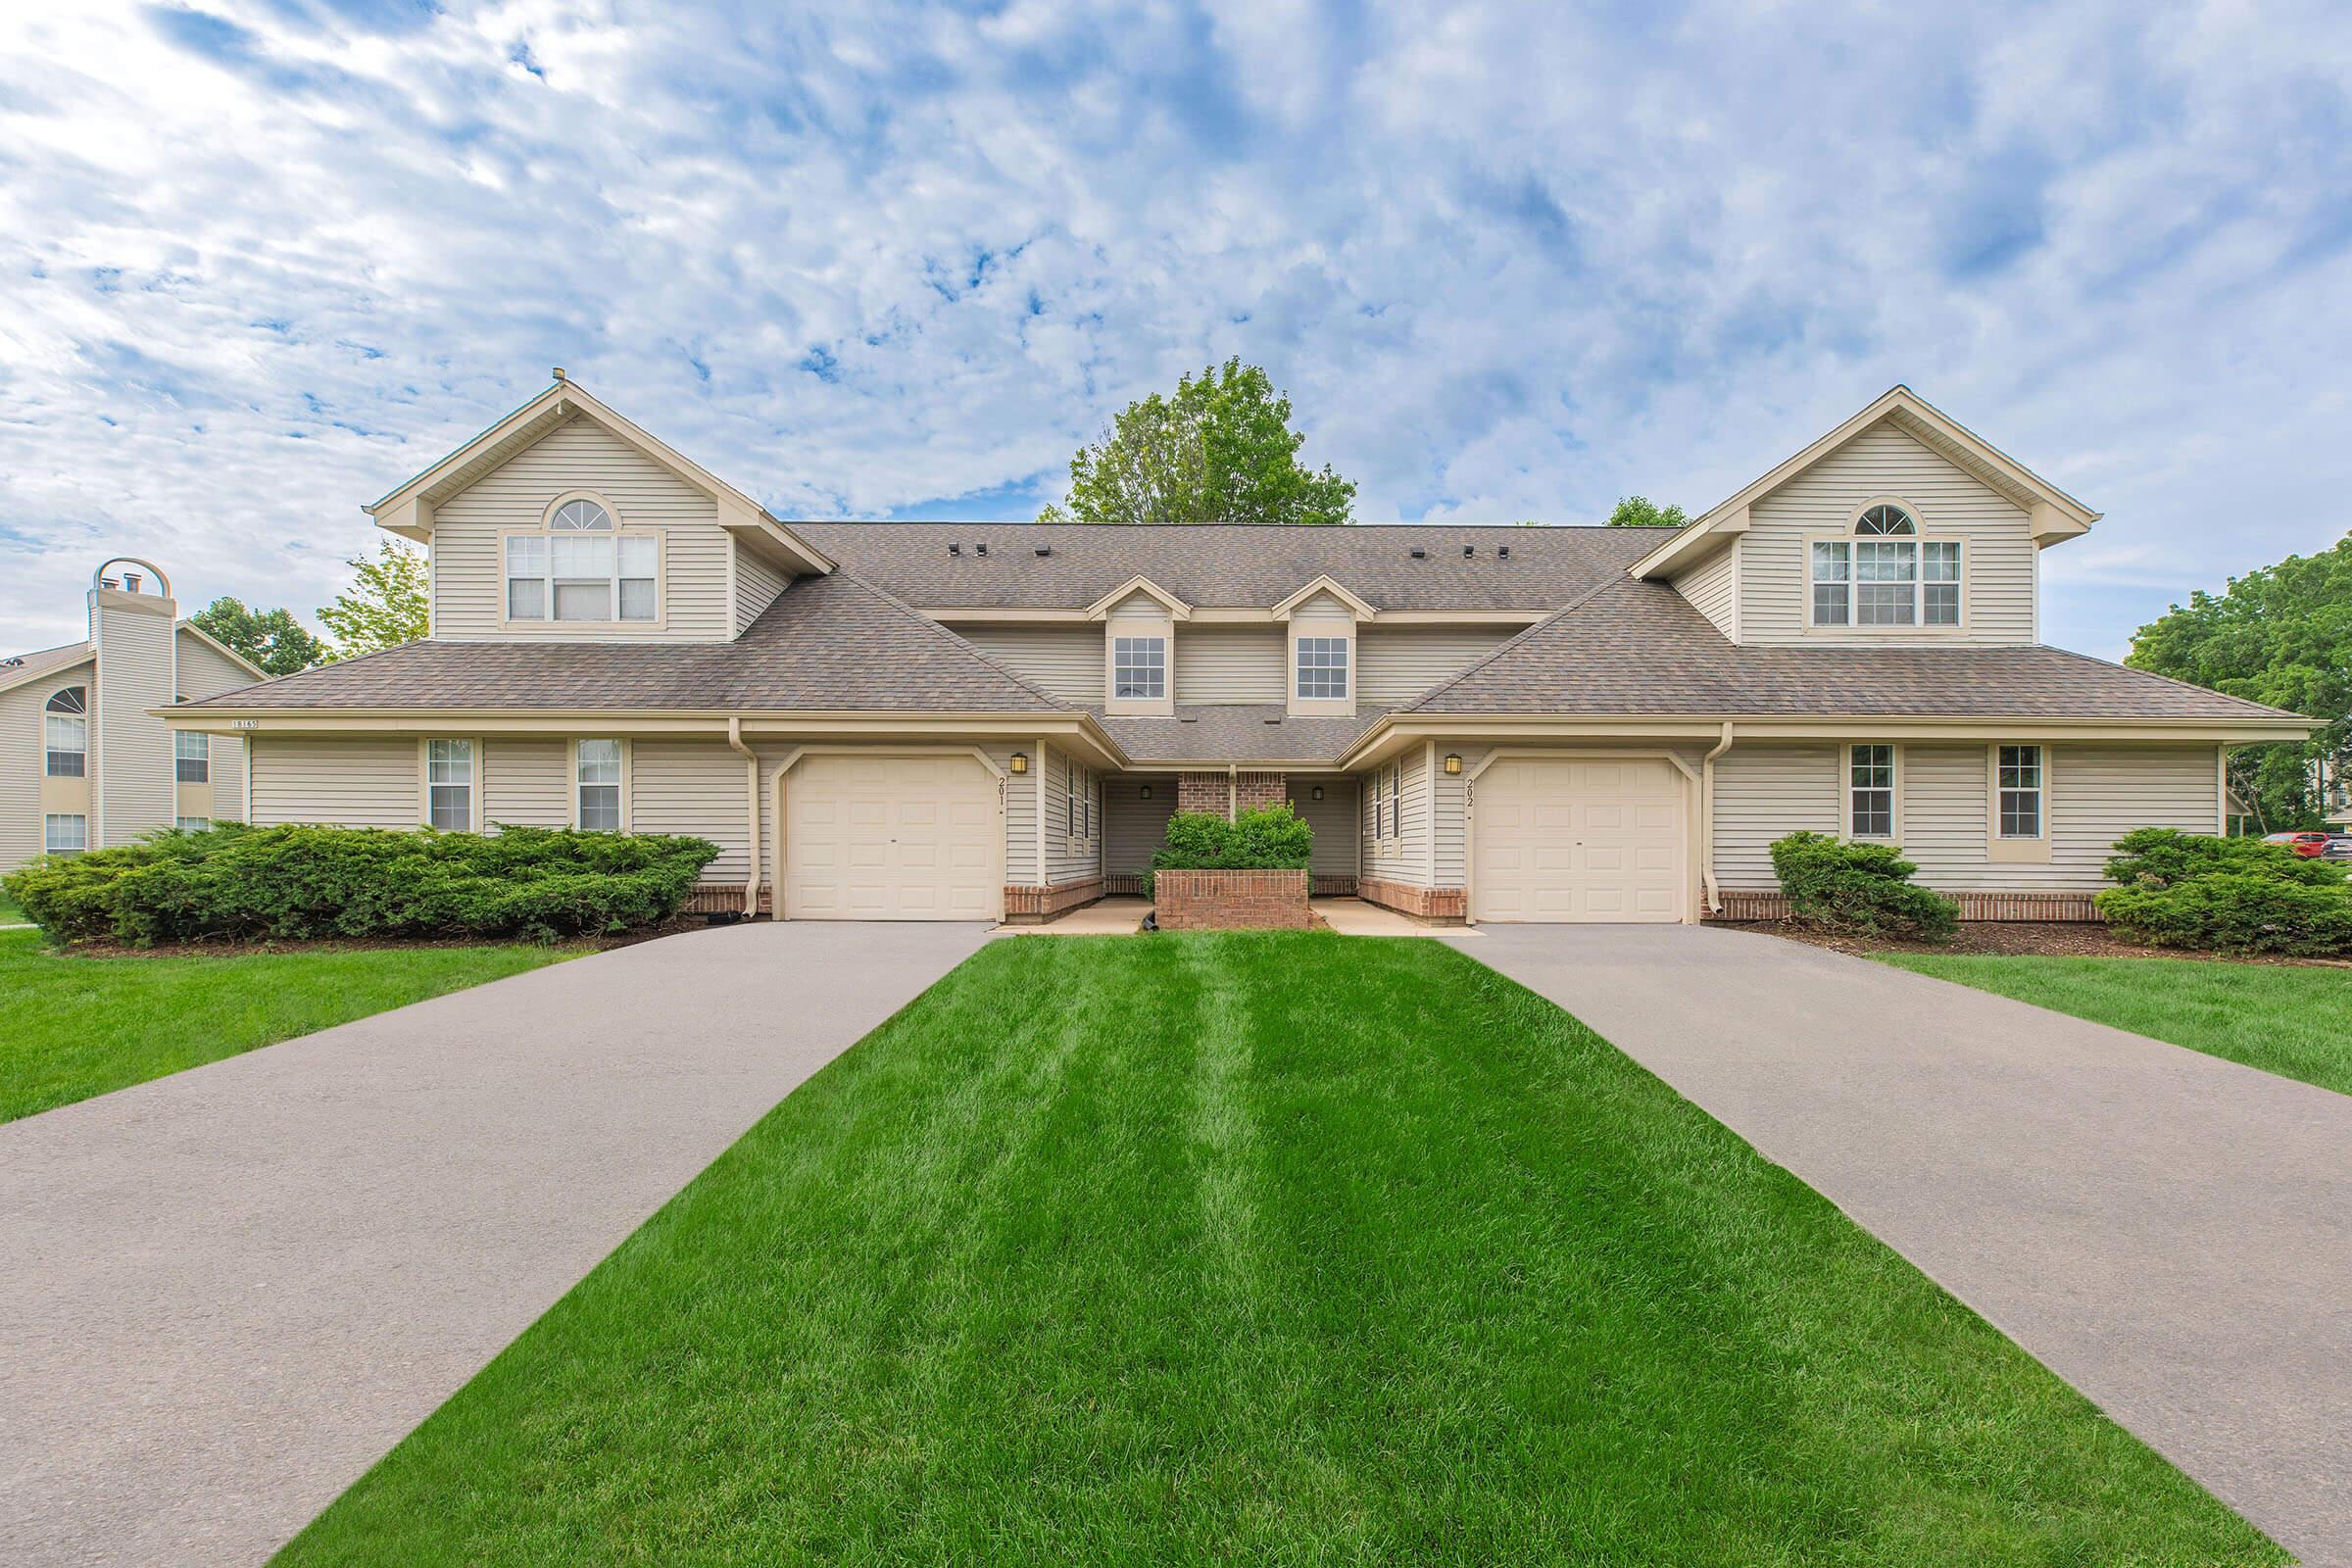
[583, 568]
[1322, 668]
[1139, 668]
[1885, 574]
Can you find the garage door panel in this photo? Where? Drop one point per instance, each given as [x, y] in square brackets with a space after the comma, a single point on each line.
[1563, 840]
[892, 838]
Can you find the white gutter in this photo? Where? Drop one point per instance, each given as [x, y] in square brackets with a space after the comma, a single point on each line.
[1706, 821]
[751, 775]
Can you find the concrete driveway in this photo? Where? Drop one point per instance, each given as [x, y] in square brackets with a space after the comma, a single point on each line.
[2170, 1233]
[225, 1294]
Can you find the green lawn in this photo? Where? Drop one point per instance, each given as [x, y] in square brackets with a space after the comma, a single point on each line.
[1275, 1249]
[73, 1027]
[2293, 1021]
[10, 915]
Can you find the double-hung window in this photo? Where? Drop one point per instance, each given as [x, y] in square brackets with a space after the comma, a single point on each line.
[64, 833]
[1322, 675]
[191, 758]
[1138, 667]
[193, 824]
[1885, 576]
[449, 785]
[596, 780]
[66, 733]
[2020, 784]
[1869, 786]
[581, 569]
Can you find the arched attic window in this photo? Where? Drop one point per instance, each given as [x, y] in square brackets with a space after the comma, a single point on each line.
[66, 733]
[583, 566]
[1885, 574]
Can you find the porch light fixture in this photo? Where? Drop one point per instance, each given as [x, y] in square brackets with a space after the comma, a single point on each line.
[1453, 763]
[1316, 792]
[1146, 792]
[1020, 762]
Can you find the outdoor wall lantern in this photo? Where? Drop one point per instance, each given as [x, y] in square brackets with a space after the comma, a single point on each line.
[1020, 762]
[1318, 792]
[1453, 763]
[1146, 792]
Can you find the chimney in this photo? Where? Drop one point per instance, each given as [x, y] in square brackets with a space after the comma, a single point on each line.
[131, 783]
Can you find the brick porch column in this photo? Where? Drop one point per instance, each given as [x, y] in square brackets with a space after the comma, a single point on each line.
[1204, 792]
[1254, 790]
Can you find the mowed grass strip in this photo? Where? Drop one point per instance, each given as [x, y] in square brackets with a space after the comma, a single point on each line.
[1268, 1250]
[73, 1027]
[2293, 1020]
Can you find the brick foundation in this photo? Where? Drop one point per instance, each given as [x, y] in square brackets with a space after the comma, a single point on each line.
[724, 898]
[1028, 905]
[1443, 906]
[1228, 901]
[1738, 904]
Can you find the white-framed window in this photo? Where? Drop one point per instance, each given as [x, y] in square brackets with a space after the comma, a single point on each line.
[583, 569]
[449, 784]
[66, 733]
[65, 833]
[1870, 792]
[1885, 576]
[191, 756]
[1322, 674]
[1138, 667]
[193, 824]
[2020, 787]
[595, 779]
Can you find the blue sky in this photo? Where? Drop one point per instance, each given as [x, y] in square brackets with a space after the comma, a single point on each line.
[262, 259]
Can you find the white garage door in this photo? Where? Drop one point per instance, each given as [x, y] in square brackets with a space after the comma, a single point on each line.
[1565, 840]
[892, 838]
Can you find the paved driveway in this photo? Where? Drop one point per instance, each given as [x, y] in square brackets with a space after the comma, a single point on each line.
[2170, 1233]
[225, 1294]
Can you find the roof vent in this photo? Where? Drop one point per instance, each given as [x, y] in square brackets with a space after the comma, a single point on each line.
[955, 550]
[1503, 552]
[1269, 721]
[1418, 554]
[983, 549]
[1468, 551]
[1045, 550]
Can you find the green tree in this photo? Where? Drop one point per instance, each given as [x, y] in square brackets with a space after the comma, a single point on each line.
[1639, 512]
[2281, 635]
[271, 638]
[1220, 450]
[384, 607]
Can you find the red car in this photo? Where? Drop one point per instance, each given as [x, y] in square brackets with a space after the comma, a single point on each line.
[2310, 845]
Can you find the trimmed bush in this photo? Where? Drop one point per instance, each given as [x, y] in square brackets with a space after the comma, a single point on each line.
[234, 883]
[1270, 838]
[1859, 889]
[2222, 895]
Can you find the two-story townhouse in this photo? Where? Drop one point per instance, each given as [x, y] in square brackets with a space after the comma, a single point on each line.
[86, 757]
[978, 720]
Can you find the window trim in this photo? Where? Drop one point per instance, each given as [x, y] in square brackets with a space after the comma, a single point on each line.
[2010, 851]
[82, 719]
[543, 532]
[473, 782]
[1919, 539]
[1894, 793]
[203, 761]
[49, 818]
[572, 747]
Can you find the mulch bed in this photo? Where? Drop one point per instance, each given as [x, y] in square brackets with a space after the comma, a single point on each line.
[2057, 939]
[223, 950]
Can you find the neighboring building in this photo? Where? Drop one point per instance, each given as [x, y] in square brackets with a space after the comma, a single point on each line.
[962, 720]
[86, 757]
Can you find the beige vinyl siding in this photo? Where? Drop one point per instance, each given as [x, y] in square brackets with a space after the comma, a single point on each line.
[205, 672]
[1404, 857]
[467, 582]
[1221, 664]
[1395, 664]
[1710, 589]
[527, 783]
[757, 584]
[1133, 827]
[1763, 793]
[340, 780]
[1065, 661]
[131, 763]
[1333, 819]
[1067, 859]
[695, 788]
[224, 796]
[1997, 555]
[23, 745]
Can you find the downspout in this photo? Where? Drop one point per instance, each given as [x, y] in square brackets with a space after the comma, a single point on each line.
[1706, 821]
[750, 798]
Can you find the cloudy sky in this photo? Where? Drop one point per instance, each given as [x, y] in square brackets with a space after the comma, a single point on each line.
[260, 260]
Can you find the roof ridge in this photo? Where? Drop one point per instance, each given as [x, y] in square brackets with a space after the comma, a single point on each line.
[966, 646]
[1341, 527]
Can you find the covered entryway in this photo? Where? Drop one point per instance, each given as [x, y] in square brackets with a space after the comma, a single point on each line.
[869, 837]
[1573, 839]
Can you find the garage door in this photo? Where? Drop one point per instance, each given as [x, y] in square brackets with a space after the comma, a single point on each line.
[892, 838]
[1565, 840]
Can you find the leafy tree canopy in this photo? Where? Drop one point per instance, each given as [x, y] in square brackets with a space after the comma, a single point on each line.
[271, 638]
[1219, 450]
[1639, 512]
[2283, 636]
[384, 607]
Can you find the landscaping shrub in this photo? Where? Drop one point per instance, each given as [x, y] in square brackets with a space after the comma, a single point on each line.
[1268, 838]
[2196, 889]
[1860, 889]
[235, 883]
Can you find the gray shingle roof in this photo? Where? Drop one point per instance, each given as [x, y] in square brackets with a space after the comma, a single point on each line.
[22, 667]
[828, 644]
[1640, 648]
[1241, 733]
[1228, 565]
